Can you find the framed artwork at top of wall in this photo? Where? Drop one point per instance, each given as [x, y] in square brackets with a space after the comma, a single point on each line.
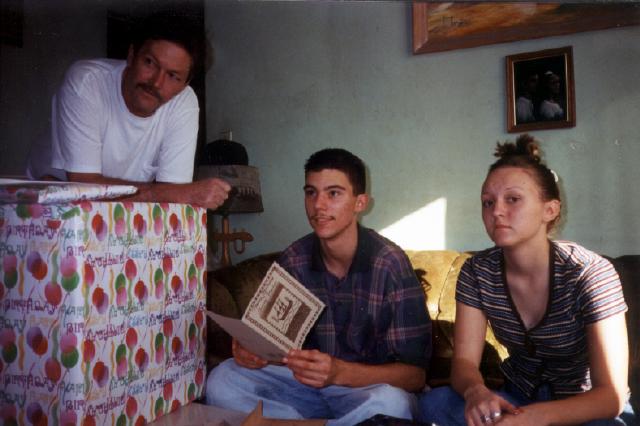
[439, 26]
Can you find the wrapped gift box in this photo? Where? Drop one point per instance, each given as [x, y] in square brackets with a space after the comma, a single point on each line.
[101, 311]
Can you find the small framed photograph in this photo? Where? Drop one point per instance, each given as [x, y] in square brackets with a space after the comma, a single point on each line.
[540, 90]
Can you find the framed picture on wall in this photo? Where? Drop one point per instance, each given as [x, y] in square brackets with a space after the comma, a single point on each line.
[441, 26]
[540, 90]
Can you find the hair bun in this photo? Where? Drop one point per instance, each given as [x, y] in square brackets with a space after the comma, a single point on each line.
[525, 146]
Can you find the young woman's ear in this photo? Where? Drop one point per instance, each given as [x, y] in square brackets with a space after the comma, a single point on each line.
[551, 210]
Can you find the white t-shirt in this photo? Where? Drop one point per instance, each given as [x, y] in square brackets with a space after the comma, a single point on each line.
[551, 110]
[524, 110]
[92, 130]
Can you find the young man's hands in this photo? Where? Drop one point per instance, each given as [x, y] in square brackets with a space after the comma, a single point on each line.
[245, 358]
[312, 367]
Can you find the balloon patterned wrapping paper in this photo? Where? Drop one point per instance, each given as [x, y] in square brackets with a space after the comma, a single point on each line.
[101, 311]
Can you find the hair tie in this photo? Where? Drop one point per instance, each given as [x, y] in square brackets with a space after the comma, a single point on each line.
[555, 175]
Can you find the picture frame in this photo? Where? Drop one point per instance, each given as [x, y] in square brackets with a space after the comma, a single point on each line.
[442, 26]
[540, 90]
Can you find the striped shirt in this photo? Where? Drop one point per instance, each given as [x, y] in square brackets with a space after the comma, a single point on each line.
[584, 289]
[376, 314]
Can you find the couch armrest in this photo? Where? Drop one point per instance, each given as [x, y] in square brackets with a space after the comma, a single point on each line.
[229, 291]
[218, 344]
[628, 267]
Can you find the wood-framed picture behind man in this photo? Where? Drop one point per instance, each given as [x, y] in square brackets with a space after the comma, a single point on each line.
[540, 90]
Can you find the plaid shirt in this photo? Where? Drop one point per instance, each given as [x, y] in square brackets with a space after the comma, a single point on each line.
[376, 314]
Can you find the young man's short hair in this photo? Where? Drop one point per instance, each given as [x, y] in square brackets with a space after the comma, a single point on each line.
[342, 160]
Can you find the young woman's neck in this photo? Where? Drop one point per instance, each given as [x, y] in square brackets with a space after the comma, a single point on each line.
[528, 259]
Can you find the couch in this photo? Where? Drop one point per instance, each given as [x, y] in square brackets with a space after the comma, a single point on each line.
[230, 289]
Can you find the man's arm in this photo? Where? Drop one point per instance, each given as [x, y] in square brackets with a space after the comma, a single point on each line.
[318, 369]
[608, 357]
[209, 193]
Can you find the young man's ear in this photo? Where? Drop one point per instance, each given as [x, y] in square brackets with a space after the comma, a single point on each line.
[362, 201]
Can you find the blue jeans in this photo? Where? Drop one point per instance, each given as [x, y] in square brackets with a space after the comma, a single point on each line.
[234, 387]
[445, 407]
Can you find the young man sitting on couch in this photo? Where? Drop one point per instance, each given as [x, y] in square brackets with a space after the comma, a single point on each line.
[367, 352]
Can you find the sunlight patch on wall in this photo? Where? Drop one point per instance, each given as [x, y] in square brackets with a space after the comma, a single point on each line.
[422, 229]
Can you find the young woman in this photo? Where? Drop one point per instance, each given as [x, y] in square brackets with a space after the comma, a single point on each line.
[557, 307]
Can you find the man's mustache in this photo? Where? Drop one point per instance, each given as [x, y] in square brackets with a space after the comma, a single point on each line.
[151, 90]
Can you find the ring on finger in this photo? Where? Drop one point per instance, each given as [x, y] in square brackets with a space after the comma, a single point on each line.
[485, 419]
[495, 415]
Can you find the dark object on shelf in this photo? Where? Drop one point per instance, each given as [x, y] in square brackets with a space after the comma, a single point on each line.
[224, 152]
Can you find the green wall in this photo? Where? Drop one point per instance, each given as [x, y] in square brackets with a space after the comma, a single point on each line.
[294, 77]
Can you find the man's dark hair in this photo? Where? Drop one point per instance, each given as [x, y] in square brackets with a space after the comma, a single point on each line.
[342, 160]
[186, 31]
